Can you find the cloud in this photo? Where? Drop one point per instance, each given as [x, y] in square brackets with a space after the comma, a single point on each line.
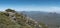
[51, 9]
[45, 9]
[32, 8]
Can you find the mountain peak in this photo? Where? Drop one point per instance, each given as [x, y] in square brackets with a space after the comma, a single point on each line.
[12, 19]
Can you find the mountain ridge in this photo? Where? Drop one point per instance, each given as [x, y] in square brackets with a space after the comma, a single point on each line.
[12, 19]
[50, 19]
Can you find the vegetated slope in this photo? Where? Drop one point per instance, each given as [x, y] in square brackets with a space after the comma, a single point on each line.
[17, 20]
[5, 22]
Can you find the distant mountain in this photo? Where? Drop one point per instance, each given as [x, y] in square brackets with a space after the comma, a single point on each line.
[49, 18]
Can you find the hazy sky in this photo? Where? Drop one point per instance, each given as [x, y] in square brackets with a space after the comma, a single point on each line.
[31, 5]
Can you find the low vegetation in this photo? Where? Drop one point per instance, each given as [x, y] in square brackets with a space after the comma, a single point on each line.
[17, 20]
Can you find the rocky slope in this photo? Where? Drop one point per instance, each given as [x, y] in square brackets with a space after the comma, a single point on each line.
[17, 20]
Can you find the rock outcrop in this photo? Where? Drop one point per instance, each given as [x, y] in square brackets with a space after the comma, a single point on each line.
[16, 20]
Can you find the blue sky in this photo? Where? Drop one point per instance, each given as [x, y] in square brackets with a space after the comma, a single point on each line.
[31, 5]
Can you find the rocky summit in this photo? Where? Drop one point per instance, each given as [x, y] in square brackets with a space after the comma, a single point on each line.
[11, 19]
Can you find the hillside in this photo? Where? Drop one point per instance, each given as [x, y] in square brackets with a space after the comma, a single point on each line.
[11, 19]
[52, 19]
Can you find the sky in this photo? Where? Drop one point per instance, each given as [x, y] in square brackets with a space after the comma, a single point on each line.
[31, 5]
